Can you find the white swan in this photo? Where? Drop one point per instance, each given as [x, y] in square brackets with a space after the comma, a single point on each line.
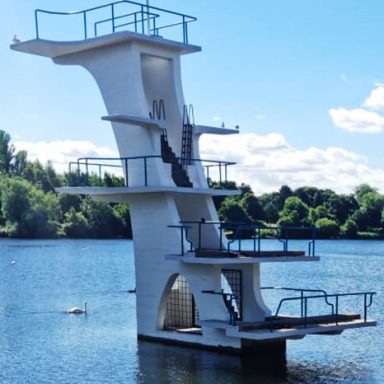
[77, 310]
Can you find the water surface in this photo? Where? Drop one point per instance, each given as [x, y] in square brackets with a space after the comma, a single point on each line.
[40, 343]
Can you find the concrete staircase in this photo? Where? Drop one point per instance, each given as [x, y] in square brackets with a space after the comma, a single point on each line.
[179, 175]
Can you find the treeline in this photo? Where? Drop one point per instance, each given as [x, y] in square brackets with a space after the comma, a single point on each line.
[356, 215]
[30, 207]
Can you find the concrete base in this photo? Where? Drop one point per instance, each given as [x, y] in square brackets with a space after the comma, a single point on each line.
[265, 351]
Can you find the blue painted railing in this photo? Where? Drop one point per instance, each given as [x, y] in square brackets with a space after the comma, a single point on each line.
[282, 234]
[128, 15]
[335, 305]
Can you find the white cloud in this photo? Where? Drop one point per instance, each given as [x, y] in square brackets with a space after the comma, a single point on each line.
[364, 119]
[376, 99]
[357, 120]
[62, 152]
[267, 162]
[264, 161]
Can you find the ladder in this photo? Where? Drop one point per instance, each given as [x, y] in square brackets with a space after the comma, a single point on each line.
[186, 139]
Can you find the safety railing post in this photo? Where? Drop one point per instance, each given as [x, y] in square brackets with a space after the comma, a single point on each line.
[365, 307]
[305, 312]
[199, 235]
[86, 171]
[301, 301]
[220, 182]
[126, 172]
[185, 31]
[36, 25]
[145, 172]
[221, 237]
[113, 17]
[182, 241]
[85, 25]
[142, 20]
[337, 310]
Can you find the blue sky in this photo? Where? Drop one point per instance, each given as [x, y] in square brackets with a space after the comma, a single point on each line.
[303, 79]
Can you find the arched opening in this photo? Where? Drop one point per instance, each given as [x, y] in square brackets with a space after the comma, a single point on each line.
[181, 313]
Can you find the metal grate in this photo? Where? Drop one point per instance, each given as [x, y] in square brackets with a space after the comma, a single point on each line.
[231, 283]
[181, 311]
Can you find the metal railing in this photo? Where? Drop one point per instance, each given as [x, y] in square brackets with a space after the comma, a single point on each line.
[303, 299]
[283, 235]
[302, 291]
[230, 301]
[255, 231]
[86, 163]
[139, 19]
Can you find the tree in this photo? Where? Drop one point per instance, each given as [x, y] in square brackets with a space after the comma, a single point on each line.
[27, 210]
[6, 152]
[68, 201]
[19, 163]
[271, 204]
[320, 212]
[122, 210]
[285, 192]
[252, 206]
[362, 190]
[102, 219]
[75, 224]
[307, 195]
[231, 210]
[15, 199]
[349, 229]
[372, 203]
[294, 213]
[327, 228]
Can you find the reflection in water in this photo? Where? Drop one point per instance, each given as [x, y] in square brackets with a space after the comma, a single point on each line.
[345, 372]
[170, 364]
[165, 364]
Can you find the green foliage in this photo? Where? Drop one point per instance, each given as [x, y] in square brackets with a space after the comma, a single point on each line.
[362, 190]
[30, 207]
[6, 152]
[68, 201]
[231, 210]
[252, 206]
[327, 228]
[350, 229]
[294, 213]
[103, 220]
[75, 224]
[28, 212]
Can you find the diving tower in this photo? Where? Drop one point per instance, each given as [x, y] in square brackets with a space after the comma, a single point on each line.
[195, 284]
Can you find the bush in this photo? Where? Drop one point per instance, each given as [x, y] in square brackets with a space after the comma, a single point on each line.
[327, 228]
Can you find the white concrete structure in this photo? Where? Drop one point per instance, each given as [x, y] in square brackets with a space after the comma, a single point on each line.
[190, 287]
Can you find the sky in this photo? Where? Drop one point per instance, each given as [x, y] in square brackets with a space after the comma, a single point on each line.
[304, 80]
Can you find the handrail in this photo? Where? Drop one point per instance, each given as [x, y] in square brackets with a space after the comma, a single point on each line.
[302, 290]
[279, 230]
[88, 161]
[151, 16]
[257, 249]
[144, 10]
[229, 299]
[335, 308]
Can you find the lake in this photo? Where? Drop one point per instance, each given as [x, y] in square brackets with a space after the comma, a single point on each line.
[40, 343]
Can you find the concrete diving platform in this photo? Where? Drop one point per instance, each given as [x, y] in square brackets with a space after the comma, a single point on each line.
[290, 327]
[235, 258]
